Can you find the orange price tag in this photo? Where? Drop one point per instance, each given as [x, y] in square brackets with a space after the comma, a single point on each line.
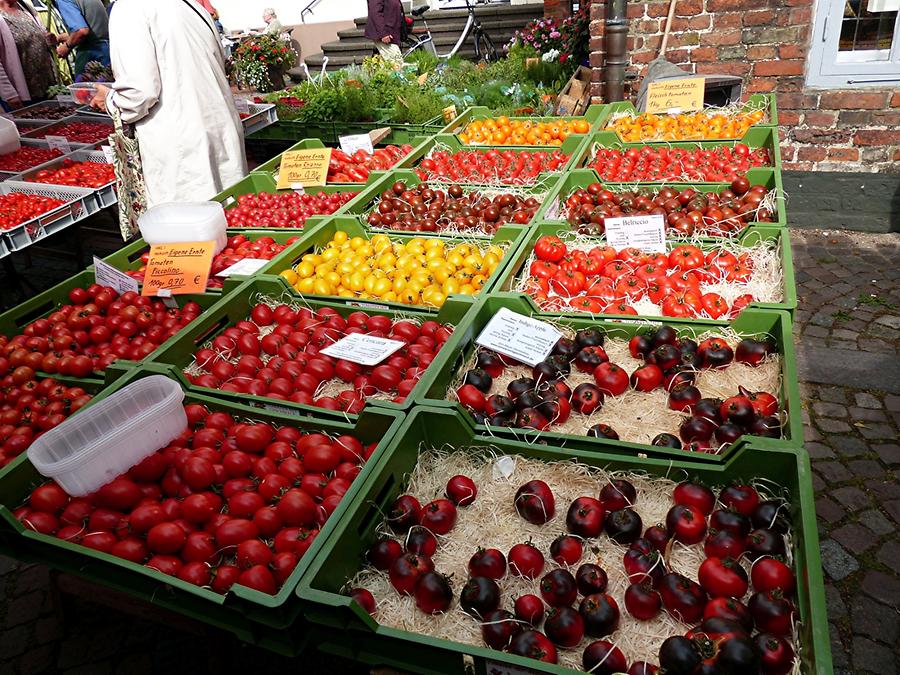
[177, 269]
[304, 167]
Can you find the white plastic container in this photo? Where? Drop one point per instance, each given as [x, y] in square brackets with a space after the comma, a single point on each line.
[103, 441]
[83, 92]
[9, 136]
[184, 222]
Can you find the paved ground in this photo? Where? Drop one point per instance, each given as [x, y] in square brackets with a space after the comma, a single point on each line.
[848, 338]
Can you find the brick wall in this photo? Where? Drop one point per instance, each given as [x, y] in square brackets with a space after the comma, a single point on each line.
[765, 42]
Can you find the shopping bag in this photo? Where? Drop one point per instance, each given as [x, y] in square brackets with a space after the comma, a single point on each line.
[130, 186]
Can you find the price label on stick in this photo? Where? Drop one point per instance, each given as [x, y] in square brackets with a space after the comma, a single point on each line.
[304, 167]
[647, 233]
[107, 275]
[351, 144]
[366, 350]
[518, 336]
[676, 96]
[177, 269]
[60, 143]
[242, 105]
[246, 266]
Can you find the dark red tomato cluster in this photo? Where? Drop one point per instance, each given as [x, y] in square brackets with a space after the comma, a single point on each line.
[355, 168]
[79, 174]
[490, 167]
[276, 353]
[31, 405]
[26, 157]
[77, 132]
[686, 212]
[606, 281]
[658, 163]
[671, 363]
[225, 503]
[288, 209]
[238, 248]
[426, 209]
[96, 329]
[17, 208]
[47, 112]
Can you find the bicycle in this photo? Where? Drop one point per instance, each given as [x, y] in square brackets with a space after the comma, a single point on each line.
[484, 46]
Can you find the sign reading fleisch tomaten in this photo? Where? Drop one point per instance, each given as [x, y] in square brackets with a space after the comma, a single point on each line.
[304, 167]
[351, 144]
[178, 269]
[519, 337]
[647, 233]
[676, 96]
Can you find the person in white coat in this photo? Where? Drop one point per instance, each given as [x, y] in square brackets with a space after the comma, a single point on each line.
[170, 83]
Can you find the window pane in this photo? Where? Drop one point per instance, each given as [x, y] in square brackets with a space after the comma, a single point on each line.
[862, 30]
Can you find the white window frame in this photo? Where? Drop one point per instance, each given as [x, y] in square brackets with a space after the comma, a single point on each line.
[830, 69]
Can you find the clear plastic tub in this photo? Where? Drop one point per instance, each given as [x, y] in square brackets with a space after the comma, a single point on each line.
[105, 440]
[83, 92]
[184, 222]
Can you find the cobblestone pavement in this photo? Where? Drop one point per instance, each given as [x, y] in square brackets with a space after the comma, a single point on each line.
[848, 337]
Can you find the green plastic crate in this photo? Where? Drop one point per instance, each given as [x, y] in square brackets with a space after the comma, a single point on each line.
[751, 323]
[178, 353]
[350, 632]
[330, 132]
[756, 137]
[754, 102]
[267, 620]
[572, 146]
[750, 237]
[554, 209]
[256, 183]
[128, 257]
[13, 321]
[314, 238]
[594, 114]
[362, 206]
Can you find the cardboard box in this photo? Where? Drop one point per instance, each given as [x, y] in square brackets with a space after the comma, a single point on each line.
[575, 97]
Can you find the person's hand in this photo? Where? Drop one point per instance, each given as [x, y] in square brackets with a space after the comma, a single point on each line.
[14, 103]
[386, 39]
[51, 38]
[99, 100]
[62, 51]
[62, 37]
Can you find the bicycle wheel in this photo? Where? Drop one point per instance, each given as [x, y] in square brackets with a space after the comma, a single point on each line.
[484, 47]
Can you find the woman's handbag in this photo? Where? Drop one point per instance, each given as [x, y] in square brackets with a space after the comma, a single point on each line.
[130, 186]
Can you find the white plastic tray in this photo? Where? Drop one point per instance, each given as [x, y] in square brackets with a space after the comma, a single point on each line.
[261, 116]
[105, 195]
[78, 203]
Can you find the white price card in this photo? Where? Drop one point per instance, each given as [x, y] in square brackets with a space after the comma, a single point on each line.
[108, 154]
[647, 233]
[366, 350]
[107, 275]
[242, 105]
[60, 143]
[245, 267]
[553, 210]
[351, 144]
[518, 336]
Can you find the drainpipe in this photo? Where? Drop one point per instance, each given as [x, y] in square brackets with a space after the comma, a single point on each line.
[616, 51]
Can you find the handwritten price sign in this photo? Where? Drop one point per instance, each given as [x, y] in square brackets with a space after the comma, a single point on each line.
[178, 268]
[676, 96]
[304, 167]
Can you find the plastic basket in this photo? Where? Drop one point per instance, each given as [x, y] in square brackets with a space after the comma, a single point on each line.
[508, 236]
[28, 142]
[592, 115]
[753, 236]
[49, 129]
[261, 116]
[756, 137]
[553, 208]
[751, 323]
[105, 194]
[179, 352]
[270, 621]
[78, 203]
[350, 632]
[29, 113]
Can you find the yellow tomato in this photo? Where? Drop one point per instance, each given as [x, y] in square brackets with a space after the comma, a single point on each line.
[468, 289]
[305, 270]
[339, 237]
[450, 286]
[330, 254]
[312, 258]
[322, 287]
[333, 279]
[289, 275]
[456, 260]
[390, 296]
[381, 287]
[356, 242]
[432, 244]
[306, 286]
[398, 285]
[435, 298]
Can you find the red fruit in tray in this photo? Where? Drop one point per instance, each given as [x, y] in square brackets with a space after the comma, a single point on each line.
[525, 560]
[471, 398]
[499, 628]
[433, 593]
[406, 571]
[658, 537]
[585, 517]
[642, 668]
[534, 645]
[488, 562]
[769, 574]
[365, 598]
[603, 658]
[644, 567]
[618, 494]
[383, 553]
[738, 410]
[611, 379]
[740, 498]
[679, 654]
[623, 526]
[686, 524]
[698, 429]
[589, 358]
[696, 495]
[404, 513]
[764, 403]
[421, 541]
[771, 612]
[731, 609]
[600, 613]
[438, 516]
[723, 578]
[647, 377]
[642, 601]
[558, 588]
[530, 608]
[479, 597]
[724, 544]
[684, 599]
[566, 549]
[776, 654]
[564, 626]
[534, 501]
[461, 490]
[715, 353]
[753, 351]
[683, 397]
[586, 398]
[590, 579]
[764, 542]
[603, 431]
[731, 521]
